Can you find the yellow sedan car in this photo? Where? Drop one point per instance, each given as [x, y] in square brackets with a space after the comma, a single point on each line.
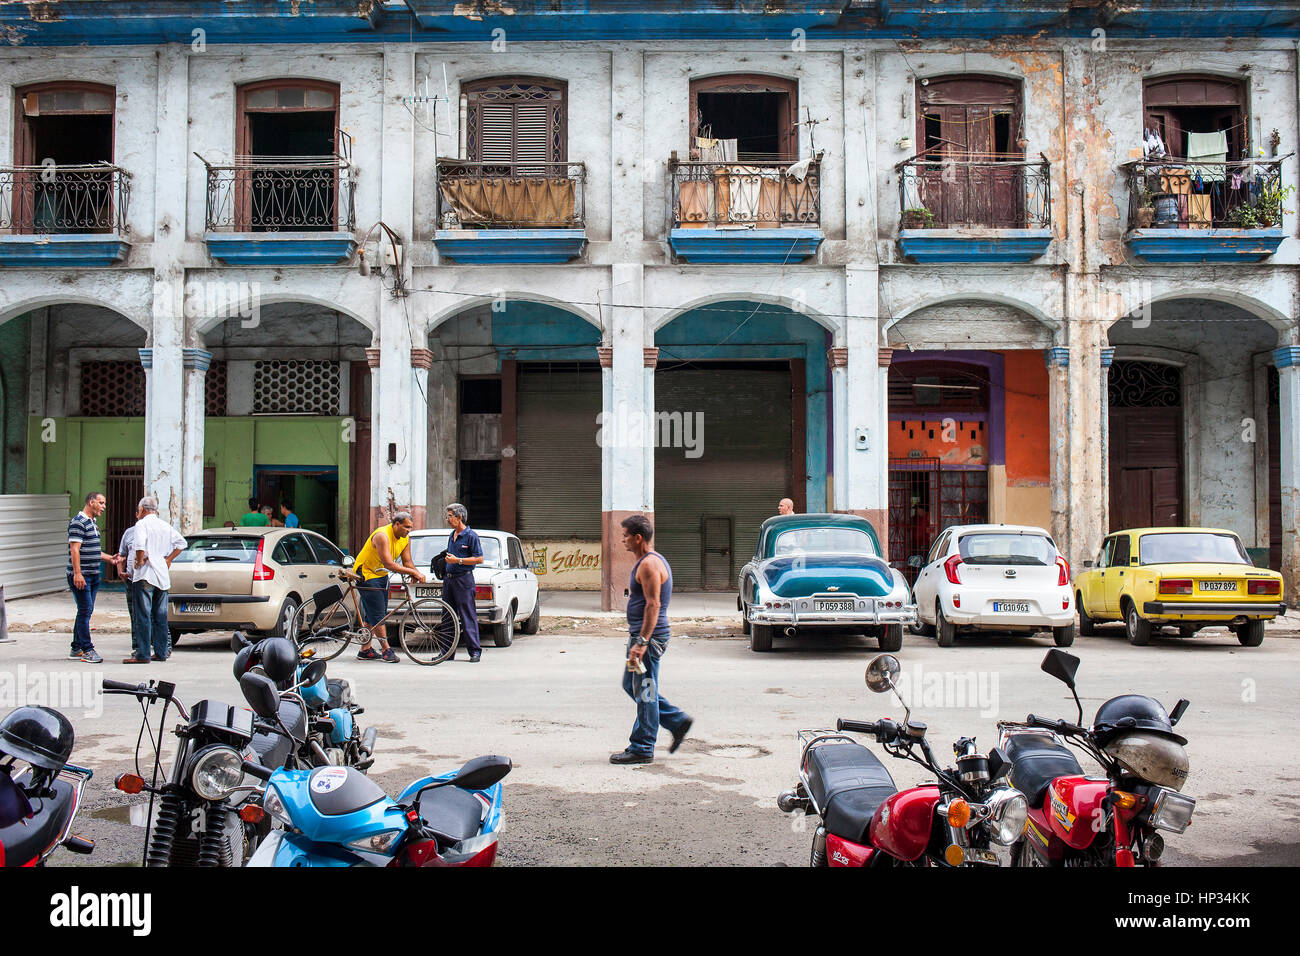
[1188, 578]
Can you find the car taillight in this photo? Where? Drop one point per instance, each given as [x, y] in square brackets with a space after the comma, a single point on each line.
[482, 592]
[1063, 579]
[397, 589]
[260, 571]
[950, 568]
[1264, 587]
[1176, 586]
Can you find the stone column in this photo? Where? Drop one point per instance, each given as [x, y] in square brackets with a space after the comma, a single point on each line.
[1287, 360]
[1058, 391]
[164, 458]
[859, 425]
[1107, 357]
[195, 362]
[421, 362]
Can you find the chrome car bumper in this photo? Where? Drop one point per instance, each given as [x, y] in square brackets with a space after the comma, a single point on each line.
[905, 615]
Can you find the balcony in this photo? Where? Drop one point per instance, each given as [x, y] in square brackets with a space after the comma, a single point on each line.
[63, 216]
[276, 211]
[494, 213]
[972, 208]
[1180, 211]
[746, 211]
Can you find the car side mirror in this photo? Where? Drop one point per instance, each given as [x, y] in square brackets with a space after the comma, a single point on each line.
[348, 561]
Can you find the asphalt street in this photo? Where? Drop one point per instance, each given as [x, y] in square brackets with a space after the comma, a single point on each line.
[554, 704]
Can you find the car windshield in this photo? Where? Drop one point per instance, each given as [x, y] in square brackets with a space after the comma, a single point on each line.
[1191, 547]
[219, 548]
[823, 541]
[1002, 548]
[424, 547]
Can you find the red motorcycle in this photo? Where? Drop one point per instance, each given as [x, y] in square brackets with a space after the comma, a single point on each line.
[867, 821]
[1076, 820]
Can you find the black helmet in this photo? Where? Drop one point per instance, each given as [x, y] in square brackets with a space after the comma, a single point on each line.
[279, 658]
[39, 735]
[243, 661]
[1132, 712]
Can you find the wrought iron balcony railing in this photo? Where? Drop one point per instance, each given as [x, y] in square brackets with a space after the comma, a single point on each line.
[64, 200]
[994, 192]
[281, 194]
[1186, 194]
[475, 195]
[764, 195]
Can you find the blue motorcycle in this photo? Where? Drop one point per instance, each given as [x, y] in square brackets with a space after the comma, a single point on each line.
[337, 816]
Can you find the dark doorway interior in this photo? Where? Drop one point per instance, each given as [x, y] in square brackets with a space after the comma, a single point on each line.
[306, 133]
[480, 450]
[123, 489]
[313, 492]
[301, 198]
[752, 119]
[480, 490]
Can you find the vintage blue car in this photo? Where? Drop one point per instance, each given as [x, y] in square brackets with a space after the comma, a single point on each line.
[822, 571]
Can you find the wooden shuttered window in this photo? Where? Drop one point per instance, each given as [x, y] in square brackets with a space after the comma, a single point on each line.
[517, 122]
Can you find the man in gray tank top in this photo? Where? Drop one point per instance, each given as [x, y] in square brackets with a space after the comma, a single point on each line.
[649, 591]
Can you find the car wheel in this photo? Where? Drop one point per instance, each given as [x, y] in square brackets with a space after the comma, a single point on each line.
[1063, 636]
[1139, 629]
[534, 621]
[284, 622]
[1087, 626]
[943, 628]
[503, 634]
[1251, 634]
[760, 637]
[891, 637]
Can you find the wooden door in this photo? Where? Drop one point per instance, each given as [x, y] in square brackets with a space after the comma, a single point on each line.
[1145, 467]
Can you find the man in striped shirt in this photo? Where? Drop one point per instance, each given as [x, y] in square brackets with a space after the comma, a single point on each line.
[84, 559]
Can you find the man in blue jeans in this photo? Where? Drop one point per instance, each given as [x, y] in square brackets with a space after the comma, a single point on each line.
[156, 545]
[464, 551]
[649, 590]
[84, 560]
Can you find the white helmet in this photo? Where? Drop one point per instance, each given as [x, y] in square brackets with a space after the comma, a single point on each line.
[1152, 756]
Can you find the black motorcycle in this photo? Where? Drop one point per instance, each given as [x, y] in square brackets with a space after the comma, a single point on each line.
[39, 803]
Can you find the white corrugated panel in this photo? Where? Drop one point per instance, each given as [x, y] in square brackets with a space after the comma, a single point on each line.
[33, 544]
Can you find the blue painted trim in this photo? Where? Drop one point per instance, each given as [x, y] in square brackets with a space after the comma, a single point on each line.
[1287, 356]
[1204, 245]
[496, 246]
[780, 246]
[1059, 356]
[964, 245]
[196, 358]
[280, 248]
[1107, 356]
[146, 357]
[64, 252]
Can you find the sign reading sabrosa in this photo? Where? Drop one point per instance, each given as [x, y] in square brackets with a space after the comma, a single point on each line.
[565, 565]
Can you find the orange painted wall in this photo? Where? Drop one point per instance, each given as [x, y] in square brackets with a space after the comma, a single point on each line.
[1027, 438]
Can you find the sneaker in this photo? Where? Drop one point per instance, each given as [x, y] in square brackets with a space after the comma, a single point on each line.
[628, 757]
[134, 660]
[680, 734]
[474, 658]
[76, 655]
[390, 657]
[91, 657]
[368, 654]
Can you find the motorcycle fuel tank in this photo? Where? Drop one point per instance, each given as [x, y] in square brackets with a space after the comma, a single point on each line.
[342, 731]
[1073, 807]
[902, 824]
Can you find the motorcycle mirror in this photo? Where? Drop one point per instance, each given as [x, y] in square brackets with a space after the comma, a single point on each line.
[1061, 665]
[313, 672]
[482, 772]
[882, 673]
[260, 692]
[238, 641]
[1180, 708]
[999, 765]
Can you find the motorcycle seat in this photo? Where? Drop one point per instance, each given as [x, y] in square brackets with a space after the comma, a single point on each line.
[274, 748]
[27, 839]
[849, 783]
[1037, 760]
[451, 813]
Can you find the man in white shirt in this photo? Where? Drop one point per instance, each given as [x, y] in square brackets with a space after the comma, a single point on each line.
[156, 544]
[124, 561]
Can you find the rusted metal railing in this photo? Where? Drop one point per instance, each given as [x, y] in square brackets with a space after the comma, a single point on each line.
[62, 200]
[938, 190]
[759, 194]
[527, 195]
[1188, 194]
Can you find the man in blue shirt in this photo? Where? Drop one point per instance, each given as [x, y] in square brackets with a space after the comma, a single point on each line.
[84, 563]
[286, 512]
[464, 551]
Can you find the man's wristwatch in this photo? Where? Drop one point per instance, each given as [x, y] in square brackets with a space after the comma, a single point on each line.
[640, 641]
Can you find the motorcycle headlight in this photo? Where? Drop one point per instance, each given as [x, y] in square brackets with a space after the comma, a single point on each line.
[1172, 810]
[1008, 812]
[216, 771]
[379, 843]
[273, 805]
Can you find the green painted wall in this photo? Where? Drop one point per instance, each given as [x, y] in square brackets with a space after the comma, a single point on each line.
[76, 461]
[14, 350]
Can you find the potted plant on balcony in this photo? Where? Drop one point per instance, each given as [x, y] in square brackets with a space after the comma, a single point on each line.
[918, 217]
[1266, 211]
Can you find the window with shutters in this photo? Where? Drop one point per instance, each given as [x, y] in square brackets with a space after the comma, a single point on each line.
[1182, 105]
[517, 122]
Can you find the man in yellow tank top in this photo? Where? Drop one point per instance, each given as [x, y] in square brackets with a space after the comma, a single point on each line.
[388, 549]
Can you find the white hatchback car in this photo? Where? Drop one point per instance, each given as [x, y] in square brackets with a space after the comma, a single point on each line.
[505, 588]
[995, 577]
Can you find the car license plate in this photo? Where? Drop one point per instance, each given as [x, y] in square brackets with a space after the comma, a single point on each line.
[199, 607]
[1218, 585]
[428, 592]
[1010, 607]
[832, 605]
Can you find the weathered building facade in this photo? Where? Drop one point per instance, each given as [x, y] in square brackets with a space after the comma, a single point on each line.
[922, 265]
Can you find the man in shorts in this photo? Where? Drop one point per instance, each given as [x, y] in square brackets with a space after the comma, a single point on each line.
[387, 550]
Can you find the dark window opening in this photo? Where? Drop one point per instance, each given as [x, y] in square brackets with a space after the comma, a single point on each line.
[753, 120]
[480, 490]
[480, 396]
[1002, 145]
[69, 125]
[934, 140]
[1182, 105]
[306, 133]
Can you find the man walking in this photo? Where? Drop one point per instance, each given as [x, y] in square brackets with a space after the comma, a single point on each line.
[650, 589]
[464, 551]
[125, 560]
[387, 550]
[156, 545]
[84, 564]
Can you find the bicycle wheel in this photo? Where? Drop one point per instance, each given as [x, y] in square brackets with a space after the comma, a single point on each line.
[430, 631]
[326, 630]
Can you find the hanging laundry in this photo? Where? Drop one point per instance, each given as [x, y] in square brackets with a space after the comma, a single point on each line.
[1237, 178]
[1208, 152]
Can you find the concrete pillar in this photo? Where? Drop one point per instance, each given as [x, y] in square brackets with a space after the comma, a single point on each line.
[1107, 357]
[1287, 360]
[631, 169]
[860, 437]
[626, 432]
[421, 362]
[1058, 362]
[195, 362]
[165, 407]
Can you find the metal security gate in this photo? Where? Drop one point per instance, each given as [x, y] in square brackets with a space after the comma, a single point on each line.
[123, 487]
[722, 463]
[557, 490]
[924, 499]
[1146, 423]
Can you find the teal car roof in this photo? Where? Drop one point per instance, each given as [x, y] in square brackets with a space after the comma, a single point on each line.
[773, 526]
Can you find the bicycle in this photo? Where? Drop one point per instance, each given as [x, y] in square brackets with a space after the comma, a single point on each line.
[327, 622]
